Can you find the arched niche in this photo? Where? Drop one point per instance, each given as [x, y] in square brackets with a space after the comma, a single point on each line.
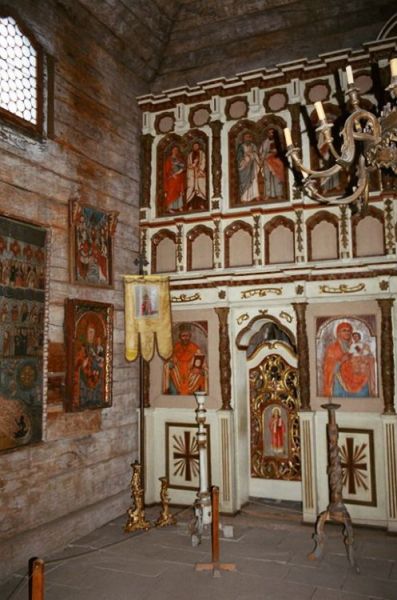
[368, 233]
[200, 248]
[238, 244]
[322, 236]
[164, 252]
[279, 241]
[257, 163]
[262, 331]
[182, 174]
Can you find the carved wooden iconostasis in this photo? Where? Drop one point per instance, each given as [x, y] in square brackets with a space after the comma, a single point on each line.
[251, 255]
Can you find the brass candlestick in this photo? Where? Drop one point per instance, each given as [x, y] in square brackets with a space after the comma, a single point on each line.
[136, 516]
[336, 510]
[165, 518]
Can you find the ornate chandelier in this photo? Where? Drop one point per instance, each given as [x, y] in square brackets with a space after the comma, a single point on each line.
[369, 143]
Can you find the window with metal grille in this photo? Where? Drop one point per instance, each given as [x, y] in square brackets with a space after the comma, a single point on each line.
[21, 71]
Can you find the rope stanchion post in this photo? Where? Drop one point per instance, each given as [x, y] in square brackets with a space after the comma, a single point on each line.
[37, 579]
[215, 565]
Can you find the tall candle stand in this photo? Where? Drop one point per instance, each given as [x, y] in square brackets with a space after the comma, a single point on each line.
[336, 510]
[202, 505]
[136, 513]
[166, 518]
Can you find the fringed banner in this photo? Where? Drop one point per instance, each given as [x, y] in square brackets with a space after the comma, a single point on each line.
[147, 316]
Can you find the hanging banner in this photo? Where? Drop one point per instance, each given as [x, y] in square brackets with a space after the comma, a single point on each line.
[147, 316]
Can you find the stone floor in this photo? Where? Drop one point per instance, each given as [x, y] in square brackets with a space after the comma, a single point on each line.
[268, 546]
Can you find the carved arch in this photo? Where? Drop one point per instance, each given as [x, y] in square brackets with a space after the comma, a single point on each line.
[257, 134]
[276, 332]
[192, 235]
[156, 241]
[279, 221]
[315, 220]
[229, 232]
[192, 181]
[377, 214]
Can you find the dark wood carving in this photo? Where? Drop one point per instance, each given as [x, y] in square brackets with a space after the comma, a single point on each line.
[224, 357]
[303, 354]
[216, 163]
[387, 360]
[146, 168]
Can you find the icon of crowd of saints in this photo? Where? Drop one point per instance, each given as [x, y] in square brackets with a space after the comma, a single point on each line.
[93, 229]
[186, 372]
[22, 284]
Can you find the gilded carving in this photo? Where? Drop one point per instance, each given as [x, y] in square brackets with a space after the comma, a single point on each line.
[185, 298]
[179, 244]
[243, 317]
[389, 228]
[286, 316]
[260, 292]
[274, 421]
[299, 231]
[343, 288]
[344, 230]
[257, 242]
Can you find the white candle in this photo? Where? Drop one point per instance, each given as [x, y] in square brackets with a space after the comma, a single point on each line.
[393, 67]
[349, 75]
[320, 111]
[288, 138]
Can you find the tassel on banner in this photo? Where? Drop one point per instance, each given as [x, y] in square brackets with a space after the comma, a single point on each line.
[147, 316]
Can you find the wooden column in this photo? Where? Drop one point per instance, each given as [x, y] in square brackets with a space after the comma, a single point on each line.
[303, 354]
[146, 169]
[216, 163]
[224, 358]
[386, 356]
